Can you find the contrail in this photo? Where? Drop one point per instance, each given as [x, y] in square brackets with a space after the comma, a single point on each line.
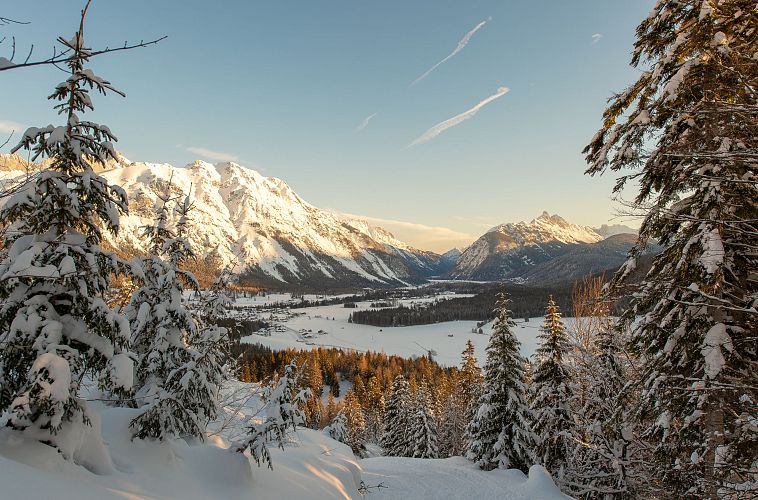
[364, 123]
[464, 41]
[452, 122]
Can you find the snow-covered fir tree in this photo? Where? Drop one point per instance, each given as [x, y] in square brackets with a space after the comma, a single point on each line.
[356, 423]
[469, 388]
[281, 410]
[459, 404]
[450, 425]
[337, 428]
[687, 129]
[499, 434]
[550, 394]
[162, 326]
[423, 431]
[200, 379]
[55, 325]
[397, 420]
[601, 464]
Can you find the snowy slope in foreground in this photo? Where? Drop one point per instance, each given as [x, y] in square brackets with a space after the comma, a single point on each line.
[453, 478]
[313, 466]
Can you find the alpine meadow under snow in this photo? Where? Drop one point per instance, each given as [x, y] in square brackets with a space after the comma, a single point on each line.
[203, 332]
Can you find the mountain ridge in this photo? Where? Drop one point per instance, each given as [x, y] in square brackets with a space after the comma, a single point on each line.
[264, 228]
[547, 250]
[274, 238]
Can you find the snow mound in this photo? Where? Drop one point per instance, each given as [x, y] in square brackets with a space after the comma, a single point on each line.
[415, 478]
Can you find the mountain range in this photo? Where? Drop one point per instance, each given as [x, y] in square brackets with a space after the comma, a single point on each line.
[547, 250]
[274, 238]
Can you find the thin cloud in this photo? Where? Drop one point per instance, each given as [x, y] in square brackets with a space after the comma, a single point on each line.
[212, 155]
[478, 221]
[452, 122]
[596, 38]
[364, 123]
[461, 44]
[435, 238]
[8, 127]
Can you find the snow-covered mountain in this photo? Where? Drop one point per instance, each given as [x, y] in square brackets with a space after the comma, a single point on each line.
[508, 251]
[262, 226]
[451, 256]
[611, 230]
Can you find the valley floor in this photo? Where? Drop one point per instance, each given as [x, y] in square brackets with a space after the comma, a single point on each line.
[447, 339]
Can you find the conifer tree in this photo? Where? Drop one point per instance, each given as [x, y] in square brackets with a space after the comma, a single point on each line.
[374, 409]
[200, 379]
[356, 423]
[55, 325]
[423, 426]
[470, 387]
[687, 130]
[395, 439]
[601, 464]
[314, 412]
[447, 418]
[337, 428]
[550, 394]
[282, 401]
[331, 408]
[161, 330]
[313, 379]
[499, 433]
[452, 427]
[459, 404]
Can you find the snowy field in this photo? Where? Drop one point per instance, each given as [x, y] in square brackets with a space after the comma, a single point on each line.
[107, 464]
[446, 339]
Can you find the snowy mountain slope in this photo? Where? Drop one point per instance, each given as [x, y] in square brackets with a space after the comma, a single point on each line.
[611, 230]
[264, 228]
[581, 260]
[508, 250]
[452, 256]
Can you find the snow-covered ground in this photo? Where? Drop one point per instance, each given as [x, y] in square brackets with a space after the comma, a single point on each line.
[109, 465]
[453, 478]
[447, 339]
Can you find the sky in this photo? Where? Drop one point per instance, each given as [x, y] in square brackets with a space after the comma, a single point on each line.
[434, 119]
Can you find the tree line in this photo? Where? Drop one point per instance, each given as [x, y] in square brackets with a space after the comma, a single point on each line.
[526, 302]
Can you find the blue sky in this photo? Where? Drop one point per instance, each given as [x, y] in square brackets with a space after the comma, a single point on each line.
[283, 87]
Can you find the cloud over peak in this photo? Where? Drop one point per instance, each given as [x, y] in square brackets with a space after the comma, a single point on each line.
[212, 155]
